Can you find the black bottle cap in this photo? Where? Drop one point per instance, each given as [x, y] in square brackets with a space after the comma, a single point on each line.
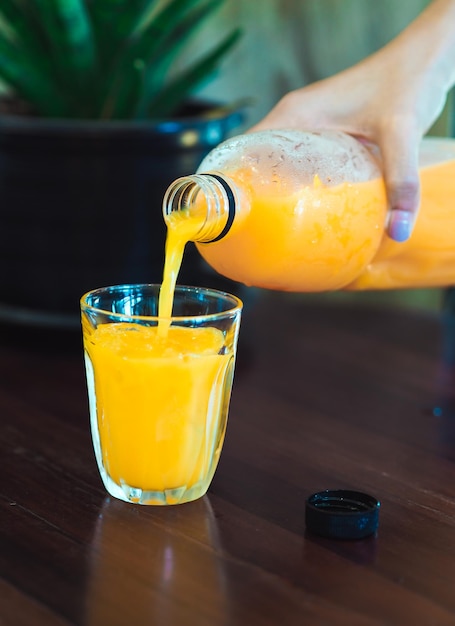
[342, 514]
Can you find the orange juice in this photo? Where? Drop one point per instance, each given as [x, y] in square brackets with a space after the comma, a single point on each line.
[159, 401]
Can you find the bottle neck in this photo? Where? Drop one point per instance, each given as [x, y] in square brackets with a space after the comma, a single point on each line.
[204, 205]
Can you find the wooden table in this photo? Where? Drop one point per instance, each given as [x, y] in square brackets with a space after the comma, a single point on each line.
[325, 396]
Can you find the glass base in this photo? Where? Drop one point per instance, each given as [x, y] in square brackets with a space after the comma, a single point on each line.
[135, 495]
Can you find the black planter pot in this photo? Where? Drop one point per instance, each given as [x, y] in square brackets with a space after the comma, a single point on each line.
[81, 207]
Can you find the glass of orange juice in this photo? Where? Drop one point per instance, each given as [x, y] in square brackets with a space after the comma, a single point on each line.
[159, 388]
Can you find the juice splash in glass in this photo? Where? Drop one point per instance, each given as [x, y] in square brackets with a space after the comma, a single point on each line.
[159, 388]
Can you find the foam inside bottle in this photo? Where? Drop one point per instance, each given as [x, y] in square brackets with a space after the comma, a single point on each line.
[285, 160]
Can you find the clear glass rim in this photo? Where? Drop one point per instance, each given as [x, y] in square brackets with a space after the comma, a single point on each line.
[235, 302]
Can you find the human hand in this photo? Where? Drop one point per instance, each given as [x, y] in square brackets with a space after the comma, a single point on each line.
[390, 99]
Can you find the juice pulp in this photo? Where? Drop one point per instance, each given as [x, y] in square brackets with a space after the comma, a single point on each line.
[160, 403]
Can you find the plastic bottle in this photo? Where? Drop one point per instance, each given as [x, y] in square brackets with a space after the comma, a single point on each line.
[302, 211]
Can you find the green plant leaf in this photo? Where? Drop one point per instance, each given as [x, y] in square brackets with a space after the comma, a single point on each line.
[18, 21]
[17, 71]
[69, 42]
[168, 32]
[19, 28]
[160, 61]
[171, 96]
[114, 21]
[128, 97]
[102, 58]
[157, 41]
[75, 37]
[145, 40]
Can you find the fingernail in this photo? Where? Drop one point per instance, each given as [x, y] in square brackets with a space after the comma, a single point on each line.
[400, 225]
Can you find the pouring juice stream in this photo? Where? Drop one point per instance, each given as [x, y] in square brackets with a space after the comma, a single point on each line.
[180, 230]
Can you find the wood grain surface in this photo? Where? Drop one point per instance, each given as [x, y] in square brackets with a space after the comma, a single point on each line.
[325, 396]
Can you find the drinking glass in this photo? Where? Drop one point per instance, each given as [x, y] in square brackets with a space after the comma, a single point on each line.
[159, 388]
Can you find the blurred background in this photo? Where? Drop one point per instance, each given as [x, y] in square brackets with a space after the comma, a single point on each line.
[289, 43]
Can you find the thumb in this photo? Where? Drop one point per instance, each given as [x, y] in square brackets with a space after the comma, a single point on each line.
[400, 154]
